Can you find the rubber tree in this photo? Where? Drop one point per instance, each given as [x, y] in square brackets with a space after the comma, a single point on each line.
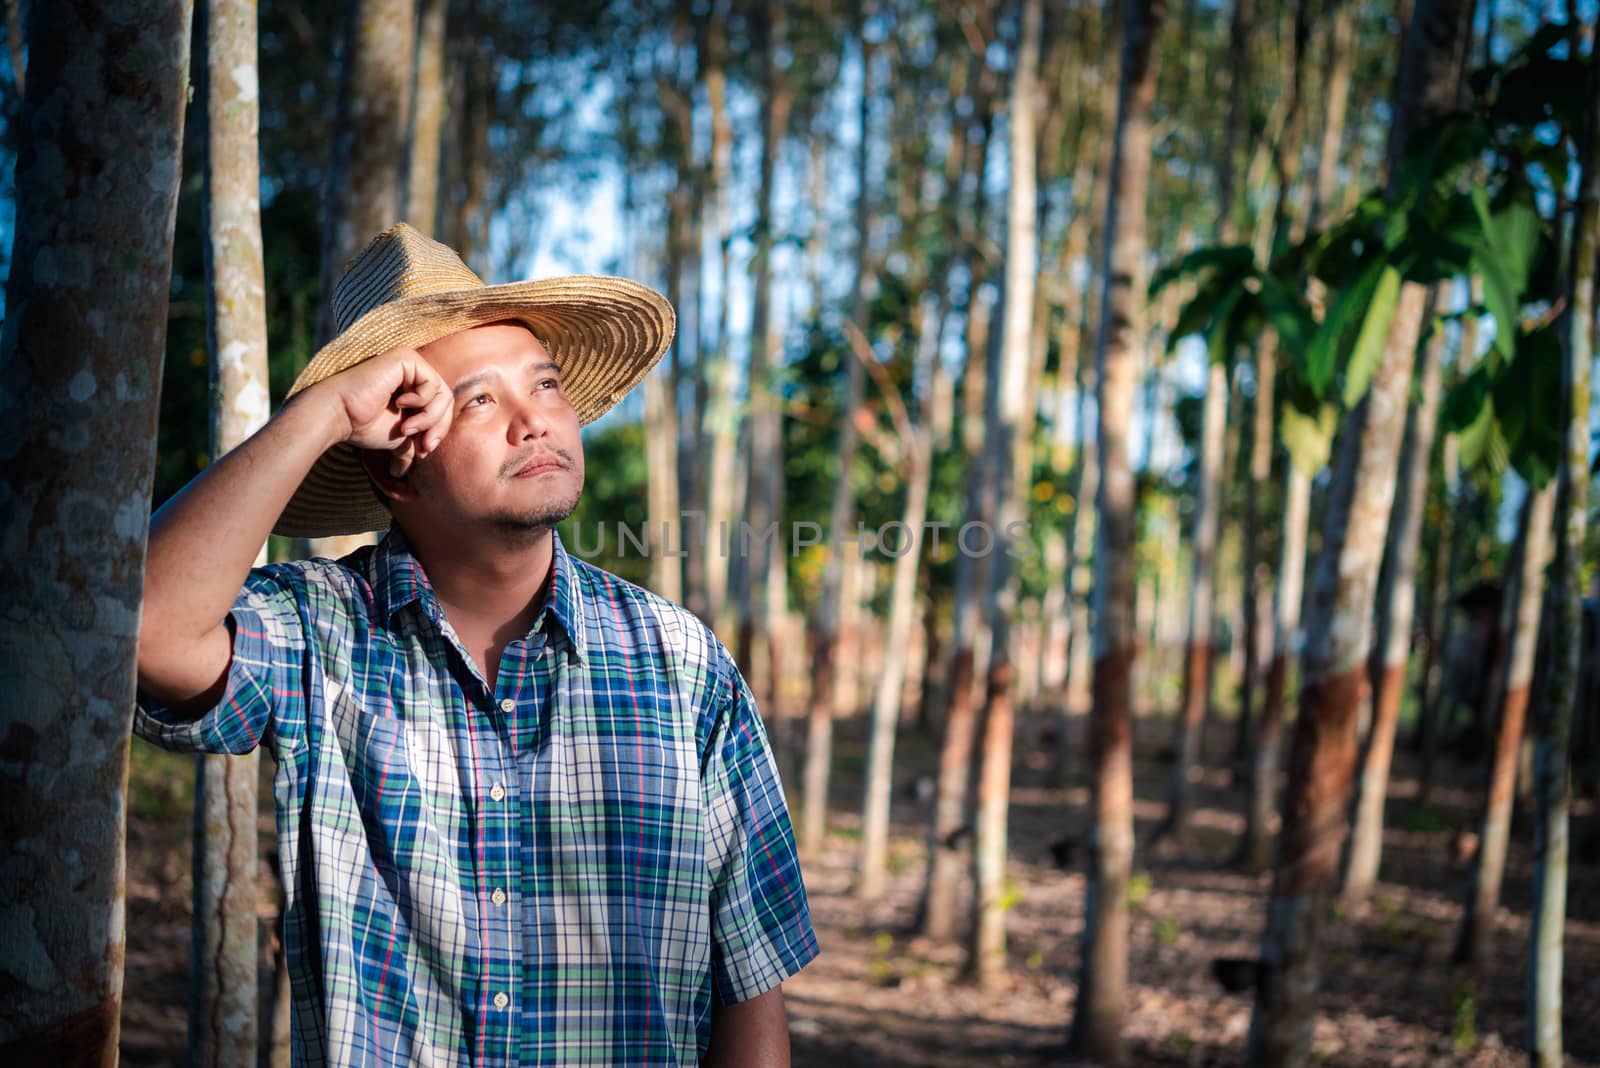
[949, 830]
[1338, 619]
[1011, 408]
[362, 195]
[1102, 988]
[825, 639]
[1511, 685]
[1552, 721]
[223, 1002]
[85, 329]
[1393, 646]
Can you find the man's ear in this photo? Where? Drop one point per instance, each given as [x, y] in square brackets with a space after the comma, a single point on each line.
[389, 487]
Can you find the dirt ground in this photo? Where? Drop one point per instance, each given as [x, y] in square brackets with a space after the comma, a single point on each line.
[879, 995]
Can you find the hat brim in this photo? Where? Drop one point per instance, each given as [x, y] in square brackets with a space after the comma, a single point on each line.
[604, 333]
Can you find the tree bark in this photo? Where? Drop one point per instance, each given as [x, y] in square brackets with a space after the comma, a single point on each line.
[819, 738]
[1102, 989]
[85, 328]
[1255, 851]
[223, 995]
[1393, 643]
[1514, 678]
[757, 646]
[1198, 649]
[361, 197]
[427, 120]
[1552, 722]
[950, 830]
[1339, 619]
[1011, 411]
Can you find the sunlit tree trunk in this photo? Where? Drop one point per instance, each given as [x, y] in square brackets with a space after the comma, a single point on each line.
[1510, 688]
[1102, 988]
[1552, 722]
[1393, 645]
[819, 737]
[427, 120]
[473, 70]
[1338, 621]
[223, 996]
[1011, 410]
[97, 172]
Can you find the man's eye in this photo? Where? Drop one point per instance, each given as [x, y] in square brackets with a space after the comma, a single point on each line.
[474, 402]
[551, 382]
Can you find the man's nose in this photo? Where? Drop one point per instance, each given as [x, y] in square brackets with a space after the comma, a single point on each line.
[528, 420]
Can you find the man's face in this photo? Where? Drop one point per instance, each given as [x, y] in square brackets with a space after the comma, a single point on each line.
[513, 458]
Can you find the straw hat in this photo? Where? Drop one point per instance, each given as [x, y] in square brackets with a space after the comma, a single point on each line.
[404, 289]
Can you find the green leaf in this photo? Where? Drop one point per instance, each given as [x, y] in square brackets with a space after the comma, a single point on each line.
[1225, 259]
[1465, 401]
[1285, 308]
[1482, 444]
[1307, 436]
[1505, 259]
[1321, 361]
[1221, 341]
[1527, 399]
[1195, 317]
[1368, 351]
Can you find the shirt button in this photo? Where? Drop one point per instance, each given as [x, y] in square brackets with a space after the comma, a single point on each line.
[507, 704]
[498, 897]
[497, 792]
[501, 1001]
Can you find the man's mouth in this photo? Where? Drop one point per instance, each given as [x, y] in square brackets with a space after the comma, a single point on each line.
[538, 466]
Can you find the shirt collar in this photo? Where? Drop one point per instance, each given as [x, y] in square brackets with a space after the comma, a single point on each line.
[399, 580]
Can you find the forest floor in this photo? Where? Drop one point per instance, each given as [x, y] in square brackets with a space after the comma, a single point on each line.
[880, 995]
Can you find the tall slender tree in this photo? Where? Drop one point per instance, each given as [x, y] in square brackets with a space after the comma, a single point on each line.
[362, 193]
[222, 974]
[825, 639]
[80, 361]
[1552, 721]
[1011, 409]
[1338, 620]
[1513, 680]
[1102, 988]
[1392, 649]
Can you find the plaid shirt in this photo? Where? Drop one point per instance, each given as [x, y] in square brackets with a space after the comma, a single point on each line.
[567, 867]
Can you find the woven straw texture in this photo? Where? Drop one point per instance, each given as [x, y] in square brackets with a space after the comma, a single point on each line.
[406, 290]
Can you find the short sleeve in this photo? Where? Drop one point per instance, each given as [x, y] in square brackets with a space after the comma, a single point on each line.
[264, 685]
[760, 922]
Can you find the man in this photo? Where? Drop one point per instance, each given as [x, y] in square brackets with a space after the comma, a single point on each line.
[527, 811]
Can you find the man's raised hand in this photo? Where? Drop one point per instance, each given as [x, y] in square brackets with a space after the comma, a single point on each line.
[396, 403]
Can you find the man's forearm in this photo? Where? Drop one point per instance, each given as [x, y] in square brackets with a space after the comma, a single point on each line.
[750, 1034]
[205, 539]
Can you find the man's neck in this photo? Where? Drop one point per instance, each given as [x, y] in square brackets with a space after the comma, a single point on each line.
[490, 590]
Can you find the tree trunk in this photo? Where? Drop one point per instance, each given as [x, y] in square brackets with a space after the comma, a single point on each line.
[427, 120]
[819, 738]
[1393, 643]
[1198, 650]
[950, 831]
[1339, 619]
[361, 197]
[1552, 721]
[85, 327]
[1255, 852]
[712, 392]
[1102, 988]
[755, 645]
[1514, 678]
[1011, 410]
[223, 995]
